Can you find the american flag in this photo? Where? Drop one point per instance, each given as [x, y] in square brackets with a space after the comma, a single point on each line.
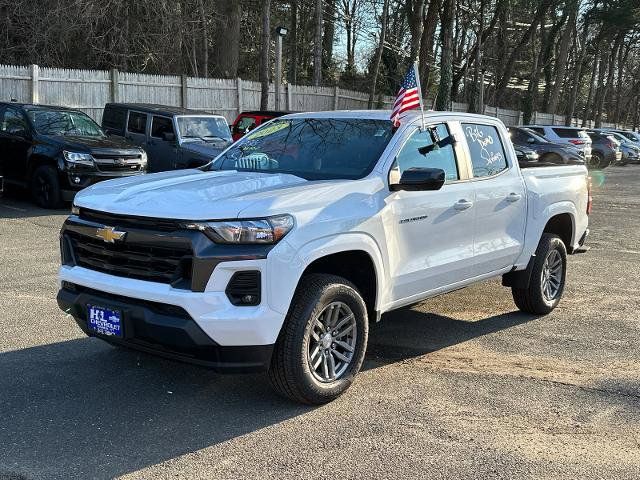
[408, 96]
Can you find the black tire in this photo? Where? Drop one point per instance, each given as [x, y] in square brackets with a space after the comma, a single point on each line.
[290, 372]
[532, 299]
[45, 187]
[598, 161]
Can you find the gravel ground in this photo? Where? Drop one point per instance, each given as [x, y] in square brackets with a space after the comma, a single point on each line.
[461, 386]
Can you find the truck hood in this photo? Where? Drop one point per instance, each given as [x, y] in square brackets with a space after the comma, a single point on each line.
[185, 194]
[206, 149]
[114, 145]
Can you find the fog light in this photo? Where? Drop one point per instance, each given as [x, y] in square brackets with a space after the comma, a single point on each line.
[76, 179]
[249, 299]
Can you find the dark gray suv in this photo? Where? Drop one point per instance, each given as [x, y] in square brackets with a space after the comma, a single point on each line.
[173, 137]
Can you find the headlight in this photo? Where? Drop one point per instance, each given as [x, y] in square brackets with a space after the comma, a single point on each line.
[143, 159]
[265, 230]
[77, 158]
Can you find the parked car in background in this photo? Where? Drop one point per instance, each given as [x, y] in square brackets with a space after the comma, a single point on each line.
[56, 151]
[247, 121]
[566, 135]
[549, 153]
[526, 157]
[605, 149]
[630, 150]
[173, 137]
[633, 137]
[281, 254]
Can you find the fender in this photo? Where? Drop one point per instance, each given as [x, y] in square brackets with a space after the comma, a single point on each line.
[286, 268]
[536, 226]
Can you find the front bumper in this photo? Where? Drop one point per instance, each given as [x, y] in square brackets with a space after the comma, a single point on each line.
[163, 329]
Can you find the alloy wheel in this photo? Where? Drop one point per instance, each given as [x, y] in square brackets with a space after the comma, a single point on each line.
[552, 275]
[332, 342]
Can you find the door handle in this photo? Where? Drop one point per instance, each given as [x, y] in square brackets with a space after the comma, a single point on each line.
[463, 204]
[513, 197]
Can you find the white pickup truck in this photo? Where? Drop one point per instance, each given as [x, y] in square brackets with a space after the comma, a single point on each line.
[278, 254]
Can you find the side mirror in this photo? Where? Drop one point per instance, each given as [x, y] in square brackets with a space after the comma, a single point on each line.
[168, 136]
[531, 140]
[420, 179]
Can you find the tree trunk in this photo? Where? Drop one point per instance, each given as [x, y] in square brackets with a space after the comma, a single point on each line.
[415, 18]
[293, 43]
[317, 46]
[592, 86]
[426, 58]
[578, 74]
[376, 63]
[530, 102]
[329, 36]
[443, 102]
[264, 54]
[610, 72]
[563, 57]
[205, 39]
[226, 48]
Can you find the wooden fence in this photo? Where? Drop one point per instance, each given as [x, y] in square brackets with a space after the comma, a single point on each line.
[89, 90]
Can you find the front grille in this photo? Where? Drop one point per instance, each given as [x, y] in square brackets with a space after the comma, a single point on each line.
[108, 162]
[244, 288]
[112, 167]
[161, 224]
[171, 265]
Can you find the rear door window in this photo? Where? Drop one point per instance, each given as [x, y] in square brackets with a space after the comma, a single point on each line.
[485, 146]
[570, 133]
[137, 123]
[160, 126]
[114, 118]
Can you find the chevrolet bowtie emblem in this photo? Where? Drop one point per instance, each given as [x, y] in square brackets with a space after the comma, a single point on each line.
[109, 234]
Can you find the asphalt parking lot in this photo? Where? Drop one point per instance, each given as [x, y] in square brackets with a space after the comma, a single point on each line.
[461, 386]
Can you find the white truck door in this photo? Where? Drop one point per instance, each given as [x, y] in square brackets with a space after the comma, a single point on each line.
[431, 242]
[501, 204]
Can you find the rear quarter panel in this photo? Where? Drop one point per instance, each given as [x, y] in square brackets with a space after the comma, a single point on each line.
[553, 191]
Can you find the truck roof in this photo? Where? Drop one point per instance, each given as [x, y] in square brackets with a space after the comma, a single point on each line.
[167, 110]
[386, 115]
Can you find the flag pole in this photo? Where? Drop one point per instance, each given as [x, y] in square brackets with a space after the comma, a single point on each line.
[417, 74]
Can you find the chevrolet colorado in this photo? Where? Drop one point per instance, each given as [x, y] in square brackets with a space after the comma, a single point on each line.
[278, 254]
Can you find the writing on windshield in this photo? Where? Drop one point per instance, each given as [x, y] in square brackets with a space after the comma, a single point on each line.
[311, 148]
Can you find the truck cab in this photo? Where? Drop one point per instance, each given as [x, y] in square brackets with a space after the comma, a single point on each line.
[173, 137]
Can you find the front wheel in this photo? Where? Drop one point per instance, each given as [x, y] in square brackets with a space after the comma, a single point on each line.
[547, 277]
[45, 187]
[323, 341]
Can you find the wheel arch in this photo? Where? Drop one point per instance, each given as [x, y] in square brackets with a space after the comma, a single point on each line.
[354, 256]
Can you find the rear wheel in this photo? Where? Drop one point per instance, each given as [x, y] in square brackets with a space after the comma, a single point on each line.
[323, 341]
[547, 277]
[599, 161]
[45, 187]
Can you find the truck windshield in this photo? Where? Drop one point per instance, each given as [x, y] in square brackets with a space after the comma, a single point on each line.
[61, 122]
[203, 128]
[311, 148]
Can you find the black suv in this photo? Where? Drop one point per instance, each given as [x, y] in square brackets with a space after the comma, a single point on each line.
[56, 151]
